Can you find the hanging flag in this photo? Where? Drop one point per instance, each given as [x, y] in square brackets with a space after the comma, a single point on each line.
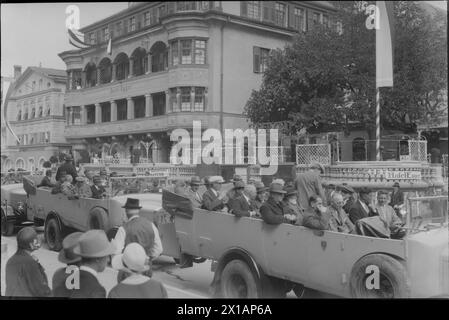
[5, 108]
[384, 44]
[74, 40]
[109, 50]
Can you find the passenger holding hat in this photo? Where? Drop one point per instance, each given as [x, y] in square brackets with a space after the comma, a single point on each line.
[308, 184]
[68, 167]
[212, 199]
[292, 210]
[272, 211]
[241, 205]
[98, 190]
[134, 261]
[25, 277]
[193, 194]
[68, 257]
[95, 250]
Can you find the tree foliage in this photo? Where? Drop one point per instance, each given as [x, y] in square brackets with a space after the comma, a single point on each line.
[324, 78]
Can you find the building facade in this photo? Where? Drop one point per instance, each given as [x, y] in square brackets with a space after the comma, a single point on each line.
[36, 115]
[173, 63]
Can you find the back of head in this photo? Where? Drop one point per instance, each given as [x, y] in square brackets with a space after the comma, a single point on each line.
[26, 236]
[48, 172]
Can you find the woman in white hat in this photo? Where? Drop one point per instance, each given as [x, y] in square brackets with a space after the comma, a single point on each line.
[135, 262]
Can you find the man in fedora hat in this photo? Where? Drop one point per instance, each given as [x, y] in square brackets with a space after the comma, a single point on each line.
[272, 211]
[193, 194]
[397, 196]
[292, 210]
[68, 167]
[98, 190]
[138, 229]
[235, 179]
[212, 199]
[68, 257]
[137, 285]
[241, 205]
[25, 277]
[261, 196]
[309, 184]
[363, 207]
[95, 250]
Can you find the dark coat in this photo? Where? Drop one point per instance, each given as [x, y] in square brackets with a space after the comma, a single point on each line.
[240, 207]
[357, 212]
[69, 168]
[397, 198]
[211, 201]
[90, 287]
[46, 183]
[314, 219]
[58, 283]
[97, 193]
[272, 212]
[309, 184]
[140, 230]
[25, 277]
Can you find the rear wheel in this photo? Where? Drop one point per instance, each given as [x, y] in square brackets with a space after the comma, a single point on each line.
[392, 278]
[238, 281]
[53, 234]
[7, 226]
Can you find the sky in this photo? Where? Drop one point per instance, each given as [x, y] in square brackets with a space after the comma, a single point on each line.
[35, 33]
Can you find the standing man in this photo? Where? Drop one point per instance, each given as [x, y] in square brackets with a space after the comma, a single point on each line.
[25, 277]
[363, 207]
[68, 167]
[69, 258]
[193, 194]
[138, 229]
[95, 251]
[272, 211]
[308, 184]
[212, 199]
[397, 197]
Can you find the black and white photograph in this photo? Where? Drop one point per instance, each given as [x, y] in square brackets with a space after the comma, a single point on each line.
[245, 152]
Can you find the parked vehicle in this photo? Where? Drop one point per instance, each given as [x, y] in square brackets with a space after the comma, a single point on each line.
[13, 208]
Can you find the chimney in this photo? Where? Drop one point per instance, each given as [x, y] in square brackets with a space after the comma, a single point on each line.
[17, 72]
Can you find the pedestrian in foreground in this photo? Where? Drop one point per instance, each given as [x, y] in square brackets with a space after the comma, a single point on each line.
[137, 285]
[25, 277]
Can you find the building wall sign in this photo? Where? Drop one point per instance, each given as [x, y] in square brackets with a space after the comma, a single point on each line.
[394, 175]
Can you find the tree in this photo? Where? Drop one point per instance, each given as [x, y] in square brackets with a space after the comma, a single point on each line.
[325, 79]
[47, 164]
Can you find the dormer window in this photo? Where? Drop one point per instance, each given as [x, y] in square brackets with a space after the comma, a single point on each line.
[132, 24]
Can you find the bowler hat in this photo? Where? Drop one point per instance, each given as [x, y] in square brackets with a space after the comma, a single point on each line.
[66, 255]
[277, 188]
[133, 258]
[290, 191]
[195, 180]
[25, 236]
[94, 244]
[318, 166]
[239, 185]
[236, 178]
[132, 203]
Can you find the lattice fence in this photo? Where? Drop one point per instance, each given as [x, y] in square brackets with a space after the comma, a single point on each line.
[418, 150]
[309, 153]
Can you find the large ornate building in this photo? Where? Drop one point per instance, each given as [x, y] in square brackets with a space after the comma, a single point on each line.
[173, 63]
[36, 115]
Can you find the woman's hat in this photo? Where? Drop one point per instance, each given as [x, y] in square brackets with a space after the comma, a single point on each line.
[66, 255]
[216, 179]
[132, 203]
[133, 258]
[94, 244]
[277, 188]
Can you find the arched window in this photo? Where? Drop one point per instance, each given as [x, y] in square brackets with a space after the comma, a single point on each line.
[358, 149]
[48, 113]
[159, 57]
[122, 66]
[48, 84]
[105, 70]
[91, 75]
[33, 113]
[41, 84]
[25, 115]
[31, 165]
[19, 115]
[140, 61]
[41, 111]
[20, 163]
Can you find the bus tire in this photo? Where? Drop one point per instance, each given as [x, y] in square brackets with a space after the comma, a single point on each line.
[238, 281]
[392, 278]
[53, 232]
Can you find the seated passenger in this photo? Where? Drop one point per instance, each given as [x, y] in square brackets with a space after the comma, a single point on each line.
[46, 181]
[272, 211]
[292, 210]
[212, 199]
[236, 178]
[98, 191]
[82, 189]
[363, 207]
[88, 174]
[58, 186]
[180, 188]
[261, 194]
[241, 205]
[193, 194]
[155, 187]
[388, 215]
[67, 187]
[316, 216]
[338, 219]
[349, 197]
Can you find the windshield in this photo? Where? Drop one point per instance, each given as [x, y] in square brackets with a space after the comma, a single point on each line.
[424, 213]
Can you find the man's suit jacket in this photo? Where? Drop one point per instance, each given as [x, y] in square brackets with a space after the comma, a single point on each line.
[397, 198]
[89, 287]
[25, 277]
[97, 192]
[195, 198]
[46, 182]
[357, 212]
[69, 168]
[272, 212]
[211, 201]
[240, 207]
